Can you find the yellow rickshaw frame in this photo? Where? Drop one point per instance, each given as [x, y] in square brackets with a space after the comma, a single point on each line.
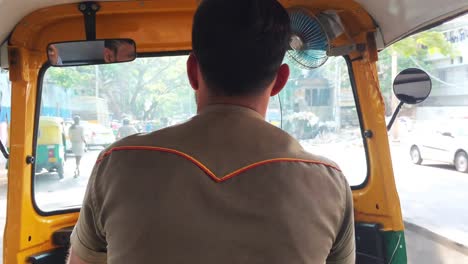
[28, 231]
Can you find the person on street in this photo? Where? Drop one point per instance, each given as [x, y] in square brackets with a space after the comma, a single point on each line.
[226, 186]
[78, 142]
[126, 129]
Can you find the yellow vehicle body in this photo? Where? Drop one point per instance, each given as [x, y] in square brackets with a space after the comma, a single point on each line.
[165, 26]
[51, 131]
[50, 150]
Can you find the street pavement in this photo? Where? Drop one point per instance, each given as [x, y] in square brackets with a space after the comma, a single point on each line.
[52, 193]
[423, 247]
[433, 196]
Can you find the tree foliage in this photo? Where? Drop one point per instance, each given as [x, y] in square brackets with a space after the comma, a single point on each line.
[145, 89]
[69, 78]
[412, 51]
[423, 44]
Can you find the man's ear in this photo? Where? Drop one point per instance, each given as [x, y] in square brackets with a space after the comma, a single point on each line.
[281, 79]
[192, 71]
[108, 56]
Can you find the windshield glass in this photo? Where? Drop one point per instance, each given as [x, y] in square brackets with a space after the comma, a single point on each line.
[113, 101]
[319, 110]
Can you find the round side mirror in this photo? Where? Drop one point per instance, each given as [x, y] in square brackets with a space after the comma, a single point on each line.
[412, 86]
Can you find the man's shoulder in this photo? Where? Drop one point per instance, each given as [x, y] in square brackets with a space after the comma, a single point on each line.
[317, 160]
[293, 148]
[137, 139]
[160, 138]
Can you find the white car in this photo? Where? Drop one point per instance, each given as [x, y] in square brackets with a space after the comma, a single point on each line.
[96, 135]
[99, 135]
[447, 143]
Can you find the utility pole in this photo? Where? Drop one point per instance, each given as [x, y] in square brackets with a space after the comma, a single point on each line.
[338, 94]
[96, 73]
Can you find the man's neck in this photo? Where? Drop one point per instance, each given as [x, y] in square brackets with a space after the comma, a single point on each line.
[257, 103]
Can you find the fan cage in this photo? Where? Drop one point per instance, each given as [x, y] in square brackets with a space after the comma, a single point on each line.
[314, 37]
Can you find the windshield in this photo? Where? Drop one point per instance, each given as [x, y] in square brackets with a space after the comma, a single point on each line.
[113, 101]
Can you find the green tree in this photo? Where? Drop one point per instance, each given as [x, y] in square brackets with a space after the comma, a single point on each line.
[147, 88]
[413, 51]
[70, 77]
[144, 89]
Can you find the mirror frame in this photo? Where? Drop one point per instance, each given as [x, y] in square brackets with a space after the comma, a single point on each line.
[422, 99]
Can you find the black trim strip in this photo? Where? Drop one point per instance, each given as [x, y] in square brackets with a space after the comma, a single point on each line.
[352, 79]
[55, 256]
[89, 10]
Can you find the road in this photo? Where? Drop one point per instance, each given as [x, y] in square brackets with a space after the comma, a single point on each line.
[432, 196]
[52, 193]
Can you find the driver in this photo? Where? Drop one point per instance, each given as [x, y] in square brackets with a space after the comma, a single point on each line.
[226, 186]
[119, 50]
[53, 54]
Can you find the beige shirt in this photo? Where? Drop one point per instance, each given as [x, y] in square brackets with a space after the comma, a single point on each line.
[224, 187]
[76, 134]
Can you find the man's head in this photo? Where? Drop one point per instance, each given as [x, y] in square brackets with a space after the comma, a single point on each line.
[53, 55]
[126, 122]
[238, 48]
[119, 50]
[76, 120]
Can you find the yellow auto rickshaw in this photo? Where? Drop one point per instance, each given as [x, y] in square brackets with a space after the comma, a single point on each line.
[50, 151]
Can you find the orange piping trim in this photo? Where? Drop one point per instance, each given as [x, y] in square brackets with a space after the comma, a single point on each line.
[208, 171]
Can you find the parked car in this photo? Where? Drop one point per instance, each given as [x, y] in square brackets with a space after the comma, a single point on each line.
[447, 143]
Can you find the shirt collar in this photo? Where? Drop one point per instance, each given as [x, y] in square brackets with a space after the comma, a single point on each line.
[230, 108]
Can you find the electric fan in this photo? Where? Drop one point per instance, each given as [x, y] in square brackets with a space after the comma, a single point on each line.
[309, 42]
[311, 36]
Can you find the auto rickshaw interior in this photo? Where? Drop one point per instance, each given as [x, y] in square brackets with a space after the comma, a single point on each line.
[59, 69]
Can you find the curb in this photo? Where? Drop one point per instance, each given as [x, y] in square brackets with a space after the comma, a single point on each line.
[462, 249]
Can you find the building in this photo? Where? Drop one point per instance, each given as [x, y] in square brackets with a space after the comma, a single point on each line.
[449, 75]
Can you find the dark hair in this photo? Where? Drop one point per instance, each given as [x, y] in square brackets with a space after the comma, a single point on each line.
[76, 121]
[240, 44]
[114, 44]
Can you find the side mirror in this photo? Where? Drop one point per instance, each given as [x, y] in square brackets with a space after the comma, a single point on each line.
[411, 86]
[92, 52]
[447, 134]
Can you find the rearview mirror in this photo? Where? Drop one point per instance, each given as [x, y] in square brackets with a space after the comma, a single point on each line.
[91, 52]
[412, 86]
